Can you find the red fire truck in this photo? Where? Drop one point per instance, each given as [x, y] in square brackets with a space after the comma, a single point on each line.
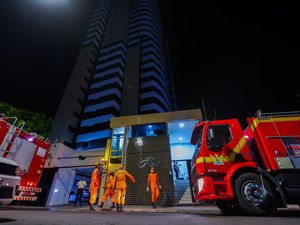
[254, 171]
[29, 151]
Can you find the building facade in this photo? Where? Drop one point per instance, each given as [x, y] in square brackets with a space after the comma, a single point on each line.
[161, 140]
[137, 142]
[122, 69]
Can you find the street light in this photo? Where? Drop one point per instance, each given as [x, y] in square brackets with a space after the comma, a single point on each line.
[65, 2]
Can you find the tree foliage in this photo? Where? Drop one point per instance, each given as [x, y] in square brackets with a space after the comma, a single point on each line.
[37, 123]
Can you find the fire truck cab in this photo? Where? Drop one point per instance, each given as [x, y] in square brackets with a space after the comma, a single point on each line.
[9, 180]
[254, 171]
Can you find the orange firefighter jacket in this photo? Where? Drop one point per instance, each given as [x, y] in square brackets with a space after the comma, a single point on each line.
[120, 178]
[110, 182]
[153, 180]
[95, 181]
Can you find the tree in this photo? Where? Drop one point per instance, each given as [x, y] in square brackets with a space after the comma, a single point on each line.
[37, 123]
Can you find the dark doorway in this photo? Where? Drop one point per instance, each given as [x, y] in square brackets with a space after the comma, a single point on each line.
[45, 183]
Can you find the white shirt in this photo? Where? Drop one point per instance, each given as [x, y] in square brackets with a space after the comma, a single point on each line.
[81, 184]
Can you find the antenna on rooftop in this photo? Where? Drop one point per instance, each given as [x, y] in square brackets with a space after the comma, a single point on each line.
[204, 109]
[215, 116]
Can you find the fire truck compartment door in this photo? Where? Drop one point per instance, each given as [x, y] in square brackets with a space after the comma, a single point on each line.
[22, 152]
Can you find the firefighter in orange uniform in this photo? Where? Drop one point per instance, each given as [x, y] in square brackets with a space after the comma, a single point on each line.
[109, 191]
[94, 186]
[120, 185]
[153, 182]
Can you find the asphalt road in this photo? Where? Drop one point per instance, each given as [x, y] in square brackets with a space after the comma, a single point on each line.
[49, 217]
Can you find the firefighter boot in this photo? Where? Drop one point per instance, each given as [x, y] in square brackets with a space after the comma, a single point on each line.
[101, 206]
[113, 205]
[153, 205]
[121, 208]
[118, 207]
[91, 208]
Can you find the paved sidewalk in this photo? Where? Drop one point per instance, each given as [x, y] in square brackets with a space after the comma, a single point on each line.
[197, 209]
[137, 208]
[23, 207]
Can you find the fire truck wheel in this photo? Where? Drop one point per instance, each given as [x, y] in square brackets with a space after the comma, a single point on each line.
[253, 197]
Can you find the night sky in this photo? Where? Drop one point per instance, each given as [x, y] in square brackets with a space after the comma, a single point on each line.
[236, 57]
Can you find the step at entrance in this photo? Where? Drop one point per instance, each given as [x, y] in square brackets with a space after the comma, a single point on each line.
[180, 188]
[186, 197]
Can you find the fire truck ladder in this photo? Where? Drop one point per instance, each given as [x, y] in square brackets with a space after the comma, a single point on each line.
[11, 136]
[277, 114]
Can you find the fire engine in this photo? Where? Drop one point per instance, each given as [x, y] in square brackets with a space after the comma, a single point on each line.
[253, 171]
[29, 151]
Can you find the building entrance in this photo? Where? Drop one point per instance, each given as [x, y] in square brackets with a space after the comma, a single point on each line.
[142, 154]
[182, 186]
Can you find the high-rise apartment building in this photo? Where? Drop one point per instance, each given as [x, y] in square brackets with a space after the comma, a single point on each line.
[122, 69]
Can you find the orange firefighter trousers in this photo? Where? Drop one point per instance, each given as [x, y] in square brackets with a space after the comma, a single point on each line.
[109, 192]
[154, 193]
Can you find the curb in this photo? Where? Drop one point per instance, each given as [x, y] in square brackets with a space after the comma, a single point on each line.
[129, 208]
[23, 207]
[144, 209]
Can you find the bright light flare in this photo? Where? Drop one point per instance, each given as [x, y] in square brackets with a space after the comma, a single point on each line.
[55, 2]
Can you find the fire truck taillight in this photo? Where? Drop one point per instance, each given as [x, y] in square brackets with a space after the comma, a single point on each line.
[200, 183]
[39, 171]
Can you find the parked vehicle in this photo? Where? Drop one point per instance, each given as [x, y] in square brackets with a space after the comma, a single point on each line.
[29, 151]
[256, 170]
[9, 180]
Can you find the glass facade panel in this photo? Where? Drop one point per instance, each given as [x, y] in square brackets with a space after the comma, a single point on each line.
[117, 144]
[149, 130]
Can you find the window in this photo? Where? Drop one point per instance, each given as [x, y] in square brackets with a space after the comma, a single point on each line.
[218, 136]
[198, 145]
[117, 145]
[149, 130]
[199, 142]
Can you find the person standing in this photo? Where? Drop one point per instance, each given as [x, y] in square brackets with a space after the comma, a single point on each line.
[79, 191]
[109, 190]
[120, 184]
[94, 186]
[153, 183]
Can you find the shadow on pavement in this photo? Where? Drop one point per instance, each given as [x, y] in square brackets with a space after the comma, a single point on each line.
[4, 220]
